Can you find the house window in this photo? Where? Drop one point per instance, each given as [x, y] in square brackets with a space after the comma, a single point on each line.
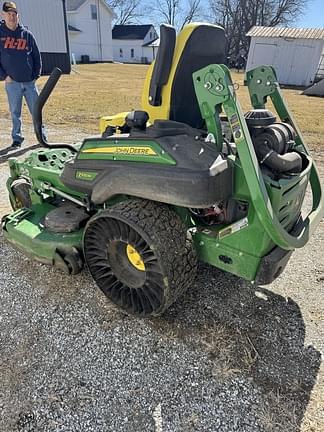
[120, 52]
[132, 52]
[94, 12]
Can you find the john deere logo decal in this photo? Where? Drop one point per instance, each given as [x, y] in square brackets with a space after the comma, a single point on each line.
[124, 150]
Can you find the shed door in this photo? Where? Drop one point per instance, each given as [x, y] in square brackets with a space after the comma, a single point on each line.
[263, 54]
[301, 65]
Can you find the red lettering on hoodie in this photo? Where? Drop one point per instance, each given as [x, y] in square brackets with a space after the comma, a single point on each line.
[21, 44]
[13, 43]
[9, 43]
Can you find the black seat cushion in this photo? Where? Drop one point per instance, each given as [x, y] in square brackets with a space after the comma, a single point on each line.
[206, 45]
[162, 128]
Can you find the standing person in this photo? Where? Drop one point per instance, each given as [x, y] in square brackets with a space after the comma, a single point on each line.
[20, 66]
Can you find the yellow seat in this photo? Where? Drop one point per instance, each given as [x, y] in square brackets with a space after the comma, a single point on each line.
[168, 92]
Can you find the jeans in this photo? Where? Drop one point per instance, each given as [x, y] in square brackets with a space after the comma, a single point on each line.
[15, 93]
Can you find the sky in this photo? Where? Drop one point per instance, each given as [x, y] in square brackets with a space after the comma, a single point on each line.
[313, 16]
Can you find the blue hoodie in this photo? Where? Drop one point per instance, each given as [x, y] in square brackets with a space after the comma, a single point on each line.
[19, 54]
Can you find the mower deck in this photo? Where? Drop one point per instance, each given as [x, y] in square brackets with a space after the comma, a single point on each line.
[25, 230]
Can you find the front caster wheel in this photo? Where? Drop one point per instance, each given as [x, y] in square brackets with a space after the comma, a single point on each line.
[20, 190]
[138, 253]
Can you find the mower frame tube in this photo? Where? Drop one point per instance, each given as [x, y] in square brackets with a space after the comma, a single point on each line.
[38, 111]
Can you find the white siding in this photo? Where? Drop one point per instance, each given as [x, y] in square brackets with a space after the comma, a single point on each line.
[142, 54]
[150, 53]
[127, 46]
[295, 60]
[45, 19]
[95, 38]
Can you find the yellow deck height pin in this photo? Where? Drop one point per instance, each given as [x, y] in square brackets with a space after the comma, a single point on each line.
[135, 258]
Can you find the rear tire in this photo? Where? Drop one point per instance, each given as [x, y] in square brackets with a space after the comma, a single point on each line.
[138, 253]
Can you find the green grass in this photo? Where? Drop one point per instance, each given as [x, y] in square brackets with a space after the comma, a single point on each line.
[80, 99]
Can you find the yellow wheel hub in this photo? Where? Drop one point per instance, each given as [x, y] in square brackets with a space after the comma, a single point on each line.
[135, 258]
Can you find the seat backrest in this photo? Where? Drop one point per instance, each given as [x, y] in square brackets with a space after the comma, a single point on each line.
[197, 46]
[162, 64]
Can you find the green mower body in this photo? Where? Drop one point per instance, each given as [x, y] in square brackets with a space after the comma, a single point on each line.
[141, 207]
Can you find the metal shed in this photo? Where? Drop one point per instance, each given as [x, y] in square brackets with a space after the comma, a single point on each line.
[46, 19]
[295, 53]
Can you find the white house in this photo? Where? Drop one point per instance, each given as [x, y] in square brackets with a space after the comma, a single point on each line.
[134, 43]
[295, 53]
[89, 24]
[46, 19]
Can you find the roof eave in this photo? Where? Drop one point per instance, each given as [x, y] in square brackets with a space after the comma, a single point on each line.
[286, 32]
[102, 1]
[149, 43]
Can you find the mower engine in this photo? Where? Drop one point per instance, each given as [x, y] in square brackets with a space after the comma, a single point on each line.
[221, 213]
[274, 144]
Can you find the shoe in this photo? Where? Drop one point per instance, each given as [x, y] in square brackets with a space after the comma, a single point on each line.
[16, 144]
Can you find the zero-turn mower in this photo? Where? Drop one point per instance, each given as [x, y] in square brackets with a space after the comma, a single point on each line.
[189, 177]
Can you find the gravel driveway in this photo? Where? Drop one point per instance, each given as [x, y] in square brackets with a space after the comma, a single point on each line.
[228, 357]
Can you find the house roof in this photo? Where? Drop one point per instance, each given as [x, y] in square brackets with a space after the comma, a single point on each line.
[285, 32]
[74, 29]
[73, 5]
[130, 31]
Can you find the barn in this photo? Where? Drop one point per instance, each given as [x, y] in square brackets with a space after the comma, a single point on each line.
[46, 19]
[296, 53]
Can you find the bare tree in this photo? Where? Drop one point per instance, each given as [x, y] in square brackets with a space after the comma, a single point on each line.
[238, 16]
[176, 12]
[168, 10]
[173, 12]
[192, 12]
[126, 11]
